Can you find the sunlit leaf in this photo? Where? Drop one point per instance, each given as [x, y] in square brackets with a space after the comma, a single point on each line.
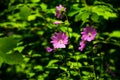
[104, 11]
[51, 63]
[75, 65]
[83, 56]
[63, 68]
[38, 67]
[43, 6]
[82, 16]
[35, 1]
[74, 73]
[72, 13]
[85, 15]
[115, 34]
[85, 73]
[31, 17]
[24, 12]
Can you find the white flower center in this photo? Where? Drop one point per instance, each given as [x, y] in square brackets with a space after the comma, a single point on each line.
[89, 34]
[61, 41]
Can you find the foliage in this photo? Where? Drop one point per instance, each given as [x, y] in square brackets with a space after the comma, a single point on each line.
[26, 27]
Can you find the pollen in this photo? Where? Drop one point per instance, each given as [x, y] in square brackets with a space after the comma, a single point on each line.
[89, 34]
[61, 41]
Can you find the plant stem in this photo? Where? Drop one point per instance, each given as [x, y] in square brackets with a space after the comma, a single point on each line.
[101, 66]
[79, 71]
[84, 1]
[67, 25]
[93, 66]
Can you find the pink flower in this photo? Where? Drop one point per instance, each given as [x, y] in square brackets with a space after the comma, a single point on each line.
[82, 45]
[57, 22]
[59, 40]
[88, 34]
[60, 11]
[48, 49]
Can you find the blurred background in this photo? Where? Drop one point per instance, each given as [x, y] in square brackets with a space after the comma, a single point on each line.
[27, 25]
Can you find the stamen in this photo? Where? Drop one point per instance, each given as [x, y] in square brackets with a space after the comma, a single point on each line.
[89, 34]
[61, 42]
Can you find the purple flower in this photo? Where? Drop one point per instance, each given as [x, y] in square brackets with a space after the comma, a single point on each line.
[60, 11]
[59, 40]
[57, 22]
[88, 34]
[48, 49]
[82, 45]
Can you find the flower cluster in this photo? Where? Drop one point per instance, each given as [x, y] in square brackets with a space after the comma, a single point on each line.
[60, 39]
[88, 34]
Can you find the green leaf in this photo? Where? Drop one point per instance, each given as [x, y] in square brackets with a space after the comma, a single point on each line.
[82, 16]
[104, 11]
[115, 34]
[35, 1]
[77, 17]
[7, 44]
[43, 6]
[11, 2]
[83, 56]
[75, 6]
[63, 68]
[74, 73]
[94, 17]
[1, 61]
[15, 58]
[51, 63]
[72, 13]
[85, 15]
[38, 67]
[85, 73]
[31, 17]
[75, 65]
[24, 12]
[109, 14]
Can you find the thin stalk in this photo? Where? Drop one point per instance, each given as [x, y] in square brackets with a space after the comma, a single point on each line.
[67, 24]
[84, 1]
[79, 70]
[101, 66]
[93, 66]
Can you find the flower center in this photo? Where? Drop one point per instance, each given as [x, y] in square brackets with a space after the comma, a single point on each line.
[89, 34]
[61, 42]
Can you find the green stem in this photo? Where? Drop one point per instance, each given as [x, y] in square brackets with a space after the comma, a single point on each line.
[79, 70]
[93, 66]
[94, 72]
[101, 66]
[67, 24]
[84, 1]
[80, 74]
[106, 42]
